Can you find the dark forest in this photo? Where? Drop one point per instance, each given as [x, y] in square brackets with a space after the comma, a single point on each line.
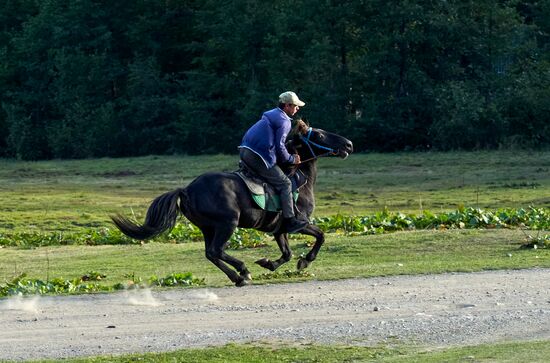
[95, 78]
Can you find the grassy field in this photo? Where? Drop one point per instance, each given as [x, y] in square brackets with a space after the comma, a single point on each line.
[72, 195]
[341, 257]
[533, 352]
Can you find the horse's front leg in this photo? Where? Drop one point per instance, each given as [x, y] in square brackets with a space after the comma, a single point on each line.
[316, 232]
[282, 241]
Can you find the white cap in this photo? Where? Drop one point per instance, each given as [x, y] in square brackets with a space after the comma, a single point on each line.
[290, 97]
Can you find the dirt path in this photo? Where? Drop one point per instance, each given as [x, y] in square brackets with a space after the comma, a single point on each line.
[434, 310]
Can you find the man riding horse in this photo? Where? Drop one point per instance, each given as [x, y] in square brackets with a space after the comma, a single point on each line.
[219, 202]
[263, 147]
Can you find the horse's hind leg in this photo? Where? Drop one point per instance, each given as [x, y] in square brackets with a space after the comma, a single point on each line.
[215, 242]
[316, 232]
[239, 266]
[213, 254]
[282, 241]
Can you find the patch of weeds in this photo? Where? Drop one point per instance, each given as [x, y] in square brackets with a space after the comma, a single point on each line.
[539, 241]
[93, 276]
[241, 238]
[176, 279]
[463, 218]
[22, 285]
[381, 222]
[247, 238]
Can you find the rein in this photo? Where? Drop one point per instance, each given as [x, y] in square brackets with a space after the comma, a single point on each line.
[308, 142]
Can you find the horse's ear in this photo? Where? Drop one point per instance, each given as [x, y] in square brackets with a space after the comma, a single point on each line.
[301, 127]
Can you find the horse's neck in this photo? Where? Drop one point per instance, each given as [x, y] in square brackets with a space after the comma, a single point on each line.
[306, 200]
[310, 171]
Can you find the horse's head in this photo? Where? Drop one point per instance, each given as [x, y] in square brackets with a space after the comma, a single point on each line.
[312, 143]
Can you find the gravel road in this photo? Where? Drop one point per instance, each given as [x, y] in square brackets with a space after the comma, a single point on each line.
[430, 310]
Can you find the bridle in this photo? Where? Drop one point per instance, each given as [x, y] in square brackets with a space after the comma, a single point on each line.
[308, 142]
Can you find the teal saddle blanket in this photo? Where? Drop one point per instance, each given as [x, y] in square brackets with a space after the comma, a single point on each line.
[264, 194]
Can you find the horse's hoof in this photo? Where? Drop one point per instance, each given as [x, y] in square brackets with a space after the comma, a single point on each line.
[266, 263]
[242, 282]
[247, 276]
[302, 264]
[262, 262]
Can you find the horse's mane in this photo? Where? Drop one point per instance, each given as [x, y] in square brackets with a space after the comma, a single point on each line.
[300, 128]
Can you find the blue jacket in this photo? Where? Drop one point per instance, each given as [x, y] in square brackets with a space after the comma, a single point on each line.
[267, 137]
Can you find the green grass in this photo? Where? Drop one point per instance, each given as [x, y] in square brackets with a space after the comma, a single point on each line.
[78, 194]
[412, 182]
[419, 252]
[262, 353]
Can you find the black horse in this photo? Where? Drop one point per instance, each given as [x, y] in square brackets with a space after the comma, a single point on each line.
[217, 203]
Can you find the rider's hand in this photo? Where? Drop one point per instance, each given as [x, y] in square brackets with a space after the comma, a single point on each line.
[296, 159]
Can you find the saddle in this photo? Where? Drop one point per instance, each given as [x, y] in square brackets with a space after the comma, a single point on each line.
[265, 196]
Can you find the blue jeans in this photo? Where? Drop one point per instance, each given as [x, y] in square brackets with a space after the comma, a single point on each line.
[274, 176]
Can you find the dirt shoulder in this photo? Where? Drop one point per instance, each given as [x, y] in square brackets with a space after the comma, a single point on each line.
[430, 310]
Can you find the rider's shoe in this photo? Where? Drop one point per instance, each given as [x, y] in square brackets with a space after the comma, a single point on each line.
[293, 225]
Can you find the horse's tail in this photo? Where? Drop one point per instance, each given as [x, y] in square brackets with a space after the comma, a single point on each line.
[161, 216]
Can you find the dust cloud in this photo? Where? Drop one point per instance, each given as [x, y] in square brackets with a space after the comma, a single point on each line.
[20, 303]
[141, 297]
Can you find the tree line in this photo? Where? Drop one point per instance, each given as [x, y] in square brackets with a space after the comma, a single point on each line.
[94, 78]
